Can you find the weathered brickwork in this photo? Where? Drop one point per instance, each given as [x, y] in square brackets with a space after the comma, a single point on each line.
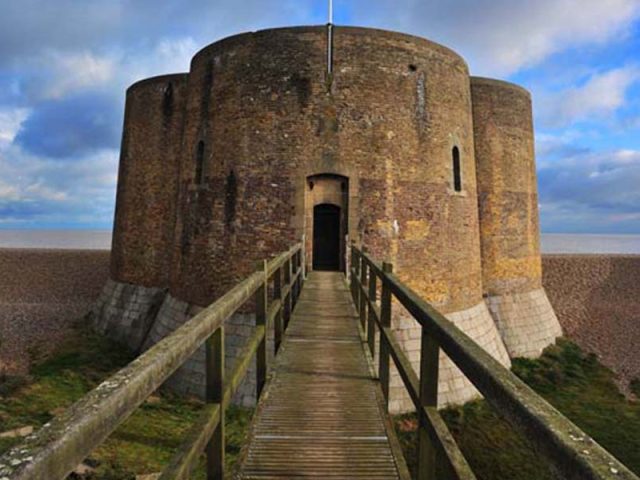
[222, 167]
[509, 226]
[507, 191]
[147, 181]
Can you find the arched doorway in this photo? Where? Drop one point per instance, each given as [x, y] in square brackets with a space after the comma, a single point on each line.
[326, 237]
[326, 219]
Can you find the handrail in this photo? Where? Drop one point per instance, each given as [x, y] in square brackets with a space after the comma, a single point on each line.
[571, 451]
[60, 445]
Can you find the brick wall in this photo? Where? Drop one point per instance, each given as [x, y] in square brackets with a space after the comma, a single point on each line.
[147, 181]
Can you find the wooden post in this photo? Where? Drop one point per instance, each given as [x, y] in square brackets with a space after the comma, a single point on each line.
[303, 249]
[214, 394]
[385, 321]
[286, 301]
[364, 267]
[371, 327]
[261, 320]
[293, 285]
[352, 284]
[429, 365]
[277, 295]
[356, 279]
[296, 269]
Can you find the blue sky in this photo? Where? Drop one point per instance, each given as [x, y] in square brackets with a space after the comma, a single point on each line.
[65, 65]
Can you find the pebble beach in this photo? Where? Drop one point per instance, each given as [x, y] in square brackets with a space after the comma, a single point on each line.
[44, 291]
[597, 300]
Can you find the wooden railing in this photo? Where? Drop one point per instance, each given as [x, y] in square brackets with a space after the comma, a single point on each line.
[59, 446]
[572, 453]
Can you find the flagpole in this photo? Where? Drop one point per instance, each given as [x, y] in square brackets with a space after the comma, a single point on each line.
[330, 39]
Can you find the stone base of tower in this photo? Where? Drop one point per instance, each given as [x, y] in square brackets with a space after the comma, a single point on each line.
[126, 312]
[526, 321]
[189, 379]
[139, 317]
[453, 387]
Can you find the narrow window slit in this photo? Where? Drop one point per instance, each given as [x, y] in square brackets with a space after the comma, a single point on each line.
[457, 179]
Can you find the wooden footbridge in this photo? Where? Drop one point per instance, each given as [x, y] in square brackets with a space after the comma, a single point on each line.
[322, 410]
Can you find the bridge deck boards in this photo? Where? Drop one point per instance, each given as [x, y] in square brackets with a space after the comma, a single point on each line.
[320, 414]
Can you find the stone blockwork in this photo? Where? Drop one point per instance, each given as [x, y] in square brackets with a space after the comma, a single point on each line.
[190, 378]
[526, 322]
[433, 171]
[453, 387]
[126, 312]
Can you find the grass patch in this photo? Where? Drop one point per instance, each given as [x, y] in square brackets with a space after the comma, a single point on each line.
[635, 387]
[143, 444]
[570, 380]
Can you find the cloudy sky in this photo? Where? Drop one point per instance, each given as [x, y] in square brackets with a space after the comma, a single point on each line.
[65, 65]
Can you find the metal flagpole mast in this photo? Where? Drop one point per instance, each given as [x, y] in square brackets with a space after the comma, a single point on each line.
[330, 39]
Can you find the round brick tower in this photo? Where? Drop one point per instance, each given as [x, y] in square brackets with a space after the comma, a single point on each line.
[270, 138]
[508, 205]
[145, 208]
[264, 144]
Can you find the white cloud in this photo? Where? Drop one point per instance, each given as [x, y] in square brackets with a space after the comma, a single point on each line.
[167, 56]
[500, 37]
[10, 121]
[8, 192]
[599, 97]
[43, 192]
[73, 72]
[593, 191]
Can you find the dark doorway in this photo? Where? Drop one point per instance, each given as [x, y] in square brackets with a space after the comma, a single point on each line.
[326, 237]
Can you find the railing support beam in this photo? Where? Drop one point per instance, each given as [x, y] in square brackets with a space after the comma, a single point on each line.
[277, 323]
[371, 321]
[286, 301]
[385, 321]
[214, 394]
[261, 321]
[362, 309]
[429, 366]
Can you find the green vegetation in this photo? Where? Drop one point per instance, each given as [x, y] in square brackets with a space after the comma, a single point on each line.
[573, 382]
[143, 444]
[569, 379]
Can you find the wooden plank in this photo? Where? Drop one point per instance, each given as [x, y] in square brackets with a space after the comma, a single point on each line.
[320, 416]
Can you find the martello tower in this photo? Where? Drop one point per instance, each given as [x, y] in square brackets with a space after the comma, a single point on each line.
[397, 149]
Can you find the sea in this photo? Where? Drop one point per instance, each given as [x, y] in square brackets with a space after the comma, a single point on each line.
[101, 240]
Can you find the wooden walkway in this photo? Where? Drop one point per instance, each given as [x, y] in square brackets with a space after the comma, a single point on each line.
[321, 415]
